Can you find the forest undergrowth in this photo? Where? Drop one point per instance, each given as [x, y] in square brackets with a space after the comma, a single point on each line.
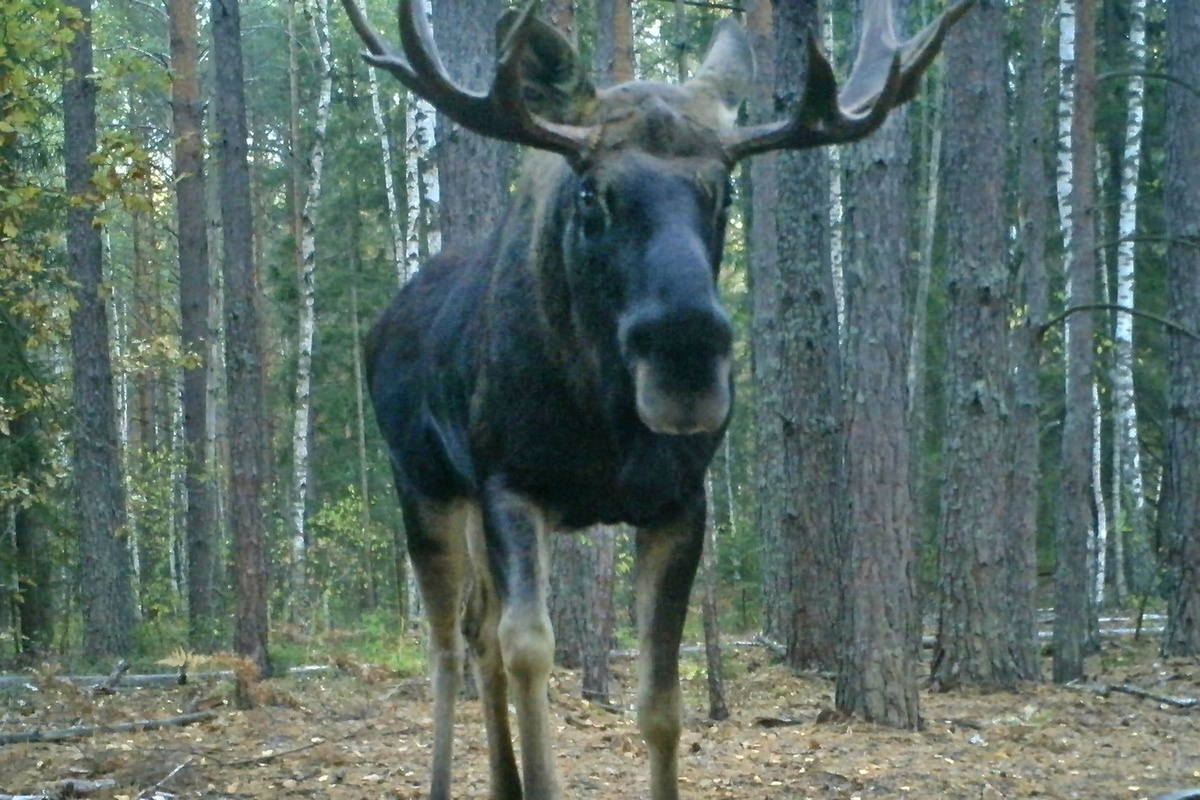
[358, 731]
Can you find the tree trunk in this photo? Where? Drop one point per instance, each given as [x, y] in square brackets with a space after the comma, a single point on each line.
[1024, 448]
[1129, 496]
[32, 554]
[1072, 608]
[473, 170]
[977, 643]
[106, 590]
[1180, 522]
[301, 424]
[243, 346]
[389, 181]
[796, 362]
[880, 626]
[718, 709]
[191, 213]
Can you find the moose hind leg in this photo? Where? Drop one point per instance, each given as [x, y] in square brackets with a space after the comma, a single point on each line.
[666, 566]
[514, 532]
[438, 548]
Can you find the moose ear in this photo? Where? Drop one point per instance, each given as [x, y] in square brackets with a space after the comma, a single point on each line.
[554, 82]
[727, 71]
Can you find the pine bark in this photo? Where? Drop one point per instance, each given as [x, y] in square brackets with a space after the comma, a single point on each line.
[107, 594]
[1025, 475]
[1180, 522]
[191, 213]
[880, 625]
[977, 641]
[796, 361]
[473, 170]
[1072, 591]
[243, 346]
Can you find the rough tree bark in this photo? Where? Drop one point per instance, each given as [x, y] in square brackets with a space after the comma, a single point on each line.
[243, 346]
[796, 360]
[977, 642]
[1180, 523]
[473, 171]
[106, 588]
[1024, 475]
[877, 677]
[1072, 606]
[191, 213]
[880, 626]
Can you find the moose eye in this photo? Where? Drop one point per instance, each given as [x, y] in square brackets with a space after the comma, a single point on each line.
[590, 207]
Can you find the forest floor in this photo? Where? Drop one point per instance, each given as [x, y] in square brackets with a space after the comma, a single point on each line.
[367, 735]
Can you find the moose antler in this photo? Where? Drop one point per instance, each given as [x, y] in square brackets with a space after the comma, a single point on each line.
[501, 113]
[886, 74]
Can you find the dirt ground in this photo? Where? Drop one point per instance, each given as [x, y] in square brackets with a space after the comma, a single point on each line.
[340, 735]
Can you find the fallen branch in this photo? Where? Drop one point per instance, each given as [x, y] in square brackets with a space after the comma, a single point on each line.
[110, 685]
[22, 683]
[264, 758]
[1105, 689]
[152, 791]
[71, 787]
[84, 731]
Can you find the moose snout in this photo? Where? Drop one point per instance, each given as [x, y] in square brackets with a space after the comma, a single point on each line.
[680, 359]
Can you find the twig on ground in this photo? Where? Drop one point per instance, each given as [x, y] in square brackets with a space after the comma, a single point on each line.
[149, 792]
[242, 762]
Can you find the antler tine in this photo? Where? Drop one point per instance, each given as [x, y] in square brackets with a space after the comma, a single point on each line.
[886, 74]
[501, 113]
[379, 52]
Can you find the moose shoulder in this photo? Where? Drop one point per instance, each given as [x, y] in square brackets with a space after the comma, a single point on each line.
[575, 367]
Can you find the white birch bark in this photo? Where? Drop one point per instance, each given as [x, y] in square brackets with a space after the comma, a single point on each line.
[1127, 467]
[421, 182]
[1066, 105]
[389, 182]
[307, 318]
[1099, 537]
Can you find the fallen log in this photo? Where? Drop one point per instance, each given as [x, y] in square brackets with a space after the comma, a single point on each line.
[84, 731]
[1105, 689]
[71, 787]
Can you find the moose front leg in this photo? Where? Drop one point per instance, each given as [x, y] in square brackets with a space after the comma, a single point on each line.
[515, 533]
[666, 566]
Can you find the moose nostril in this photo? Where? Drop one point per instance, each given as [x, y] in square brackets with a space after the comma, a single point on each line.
[688, 333]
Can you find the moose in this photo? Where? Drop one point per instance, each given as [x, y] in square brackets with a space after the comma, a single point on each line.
[575, 367]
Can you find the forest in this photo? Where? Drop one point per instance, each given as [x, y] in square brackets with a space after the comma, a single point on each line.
[965, 454]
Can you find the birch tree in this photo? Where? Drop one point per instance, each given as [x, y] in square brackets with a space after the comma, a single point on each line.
[319, 23]
[1128, 492]
[389, 181]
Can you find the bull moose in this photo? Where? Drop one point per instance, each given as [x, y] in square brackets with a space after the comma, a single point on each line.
[575, 367]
